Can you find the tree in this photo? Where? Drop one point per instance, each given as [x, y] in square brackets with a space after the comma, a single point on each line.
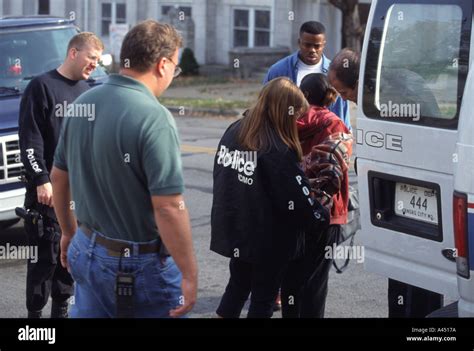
[188, 63]
[352, 31]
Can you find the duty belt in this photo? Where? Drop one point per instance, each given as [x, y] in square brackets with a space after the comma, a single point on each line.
[118, 246]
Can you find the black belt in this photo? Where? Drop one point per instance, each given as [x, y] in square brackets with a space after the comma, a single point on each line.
[119, 246]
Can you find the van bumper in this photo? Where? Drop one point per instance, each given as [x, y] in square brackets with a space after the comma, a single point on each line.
[466, 308]
[449, 311]
[9, 200]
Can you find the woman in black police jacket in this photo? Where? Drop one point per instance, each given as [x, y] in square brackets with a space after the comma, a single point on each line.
[262, 203]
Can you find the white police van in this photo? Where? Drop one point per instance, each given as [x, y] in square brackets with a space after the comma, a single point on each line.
[415, 145]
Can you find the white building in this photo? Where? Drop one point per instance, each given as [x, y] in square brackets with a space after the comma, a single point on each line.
[212, 28]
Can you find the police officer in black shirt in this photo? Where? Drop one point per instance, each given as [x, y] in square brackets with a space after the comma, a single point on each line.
[45, 102]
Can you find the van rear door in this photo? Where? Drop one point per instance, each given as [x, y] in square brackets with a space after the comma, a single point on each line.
[463, 203]
[413, 72]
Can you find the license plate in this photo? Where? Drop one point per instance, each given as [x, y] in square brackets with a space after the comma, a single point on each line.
[416, 202]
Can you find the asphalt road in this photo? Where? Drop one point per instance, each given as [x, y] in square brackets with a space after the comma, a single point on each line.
[353, 294]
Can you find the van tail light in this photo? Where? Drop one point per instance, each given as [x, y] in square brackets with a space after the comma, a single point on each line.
[460, 233]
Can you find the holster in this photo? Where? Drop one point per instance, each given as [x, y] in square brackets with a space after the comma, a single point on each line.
[44, 231]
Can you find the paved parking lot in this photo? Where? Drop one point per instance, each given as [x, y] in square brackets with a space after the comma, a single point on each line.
[353, 294]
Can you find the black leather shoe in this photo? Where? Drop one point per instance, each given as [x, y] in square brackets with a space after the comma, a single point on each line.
[59, 309]
[34, 314]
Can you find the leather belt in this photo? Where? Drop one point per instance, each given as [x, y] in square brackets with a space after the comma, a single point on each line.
[118, 246]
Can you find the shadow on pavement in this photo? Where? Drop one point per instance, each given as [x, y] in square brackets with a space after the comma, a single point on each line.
[14, 235]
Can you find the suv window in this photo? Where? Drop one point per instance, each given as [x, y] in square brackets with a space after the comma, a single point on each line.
[417, 62]
[25, 54]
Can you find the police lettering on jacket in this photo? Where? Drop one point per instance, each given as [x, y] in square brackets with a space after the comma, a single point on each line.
[30, 155]
[243, 162]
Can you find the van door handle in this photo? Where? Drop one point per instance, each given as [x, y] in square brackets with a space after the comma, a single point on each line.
[450, 254]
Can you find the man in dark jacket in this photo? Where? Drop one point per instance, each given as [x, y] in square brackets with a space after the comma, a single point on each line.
[44, 105]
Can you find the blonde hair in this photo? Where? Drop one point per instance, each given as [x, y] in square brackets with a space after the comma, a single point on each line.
[80, 40]
[279, 104]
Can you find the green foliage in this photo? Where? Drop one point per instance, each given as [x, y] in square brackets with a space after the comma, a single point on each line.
[188, 63]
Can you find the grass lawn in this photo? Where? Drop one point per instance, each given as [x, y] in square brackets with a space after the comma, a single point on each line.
[204, 103]
[186, 81]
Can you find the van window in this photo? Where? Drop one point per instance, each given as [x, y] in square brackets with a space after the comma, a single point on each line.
[417, 63]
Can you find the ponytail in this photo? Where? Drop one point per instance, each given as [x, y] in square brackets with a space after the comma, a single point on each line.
[317, 90]
[330, 97]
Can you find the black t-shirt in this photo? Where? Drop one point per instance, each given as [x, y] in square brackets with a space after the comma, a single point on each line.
[261, 202]
[43, 107]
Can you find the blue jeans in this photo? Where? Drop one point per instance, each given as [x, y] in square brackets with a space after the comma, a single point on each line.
[157, 280]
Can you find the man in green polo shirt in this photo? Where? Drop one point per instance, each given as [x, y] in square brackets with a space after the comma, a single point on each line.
[119, 174]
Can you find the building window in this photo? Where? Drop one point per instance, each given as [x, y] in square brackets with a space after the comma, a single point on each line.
[121, 16]
[43, 7]
[252, 27]
[241, 28]
[262, 28]
[112, 13]
[186, 10]
[106, 18]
